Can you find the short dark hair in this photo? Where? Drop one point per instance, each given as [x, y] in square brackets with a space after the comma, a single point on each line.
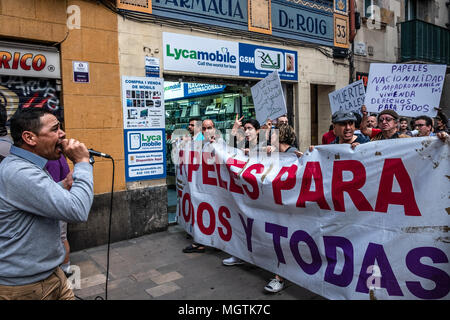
[427, 119]
[27, 119]
[253, 122]
[195, 119]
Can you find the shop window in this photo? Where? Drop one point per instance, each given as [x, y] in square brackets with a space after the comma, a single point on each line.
[219, 103]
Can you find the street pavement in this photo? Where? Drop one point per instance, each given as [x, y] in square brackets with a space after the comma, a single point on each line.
[153, 267]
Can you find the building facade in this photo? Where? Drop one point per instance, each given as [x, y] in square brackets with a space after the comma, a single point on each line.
[403, 31]
[125, 74]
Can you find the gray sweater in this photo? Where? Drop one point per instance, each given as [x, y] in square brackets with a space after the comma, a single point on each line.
[31, 205]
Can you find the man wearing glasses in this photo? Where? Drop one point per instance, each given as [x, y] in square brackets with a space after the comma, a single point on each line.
[387, 124]
[423, 125]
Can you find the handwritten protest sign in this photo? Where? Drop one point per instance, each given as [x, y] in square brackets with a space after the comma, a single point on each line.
[343, 223]
[349, 98]
[268, 98]
[409, 89]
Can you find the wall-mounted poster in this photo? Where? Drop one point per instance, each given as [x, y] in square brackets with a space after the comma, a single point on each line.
[144, 128]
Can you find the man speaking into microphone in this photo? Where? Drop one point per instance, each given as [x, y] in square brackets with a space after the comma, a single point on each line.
[32, 204]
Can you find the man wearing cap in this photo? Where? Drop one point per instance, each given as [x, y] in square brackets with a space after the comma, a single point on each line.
[388, 124]
[344, 128]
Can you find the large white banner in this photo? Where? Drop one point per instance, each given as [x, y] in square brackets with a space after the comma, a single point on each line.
[346, 224]
[409, 89]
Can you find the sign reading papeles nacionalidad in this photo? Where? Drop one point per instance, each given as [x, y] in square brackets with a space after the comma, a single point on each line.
[409, 89]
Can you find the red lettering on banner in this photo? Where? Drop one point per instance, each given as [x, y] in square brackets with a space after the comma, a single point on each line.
[187, 217]
[251, 179]
[204, 206]
[224, 213]
[231, 162]
[287, 184]
[391, 168]
[339, 186]
[312, 171]
[191, 166]
[206, 167]
[181, 161]
[222, 183]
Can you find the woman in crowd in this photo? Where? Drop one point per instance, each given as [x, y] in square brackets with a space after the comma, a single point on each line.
[248, 134]
[286, 140]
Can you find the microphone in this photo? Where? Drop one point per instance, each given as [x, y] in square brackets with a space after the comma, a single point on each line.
[98, 154]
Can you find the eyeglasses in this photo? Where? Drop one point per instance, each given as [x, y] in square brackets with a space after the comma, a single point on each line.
[387, 119]
[207, 128]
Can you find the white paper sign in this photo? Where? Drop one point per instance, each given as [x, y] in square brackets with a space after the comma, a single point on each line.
[370, 222]
[409, 89]
[268, 98]
[349, 98]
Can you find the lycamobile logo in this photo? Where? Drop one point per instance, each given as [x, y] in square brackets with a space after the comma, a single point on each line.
[223, 56]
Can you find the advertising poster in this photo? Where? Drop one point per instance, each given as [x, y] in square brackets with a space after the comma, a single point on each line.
[204, 55]
[409, 89]
[144, 128]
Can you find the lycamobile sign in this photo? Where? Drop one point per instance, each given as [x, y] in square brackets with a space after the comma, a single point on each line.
[200, 55]
[216, 56]
[205, 55]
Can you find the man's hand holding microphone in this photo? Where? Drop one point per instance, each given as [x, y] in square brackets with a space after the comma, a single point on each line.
[75, 150]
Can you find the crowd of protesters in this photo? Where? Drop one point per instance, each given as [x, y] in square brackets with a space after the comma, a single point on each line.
[346, 128]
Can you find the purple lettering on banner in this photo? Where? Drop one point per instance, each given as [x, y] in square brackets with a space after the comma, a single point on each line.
[314, 266]
[331, 245]
[440, 277]
[278, 232]
[248, 228]
[375, 252]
